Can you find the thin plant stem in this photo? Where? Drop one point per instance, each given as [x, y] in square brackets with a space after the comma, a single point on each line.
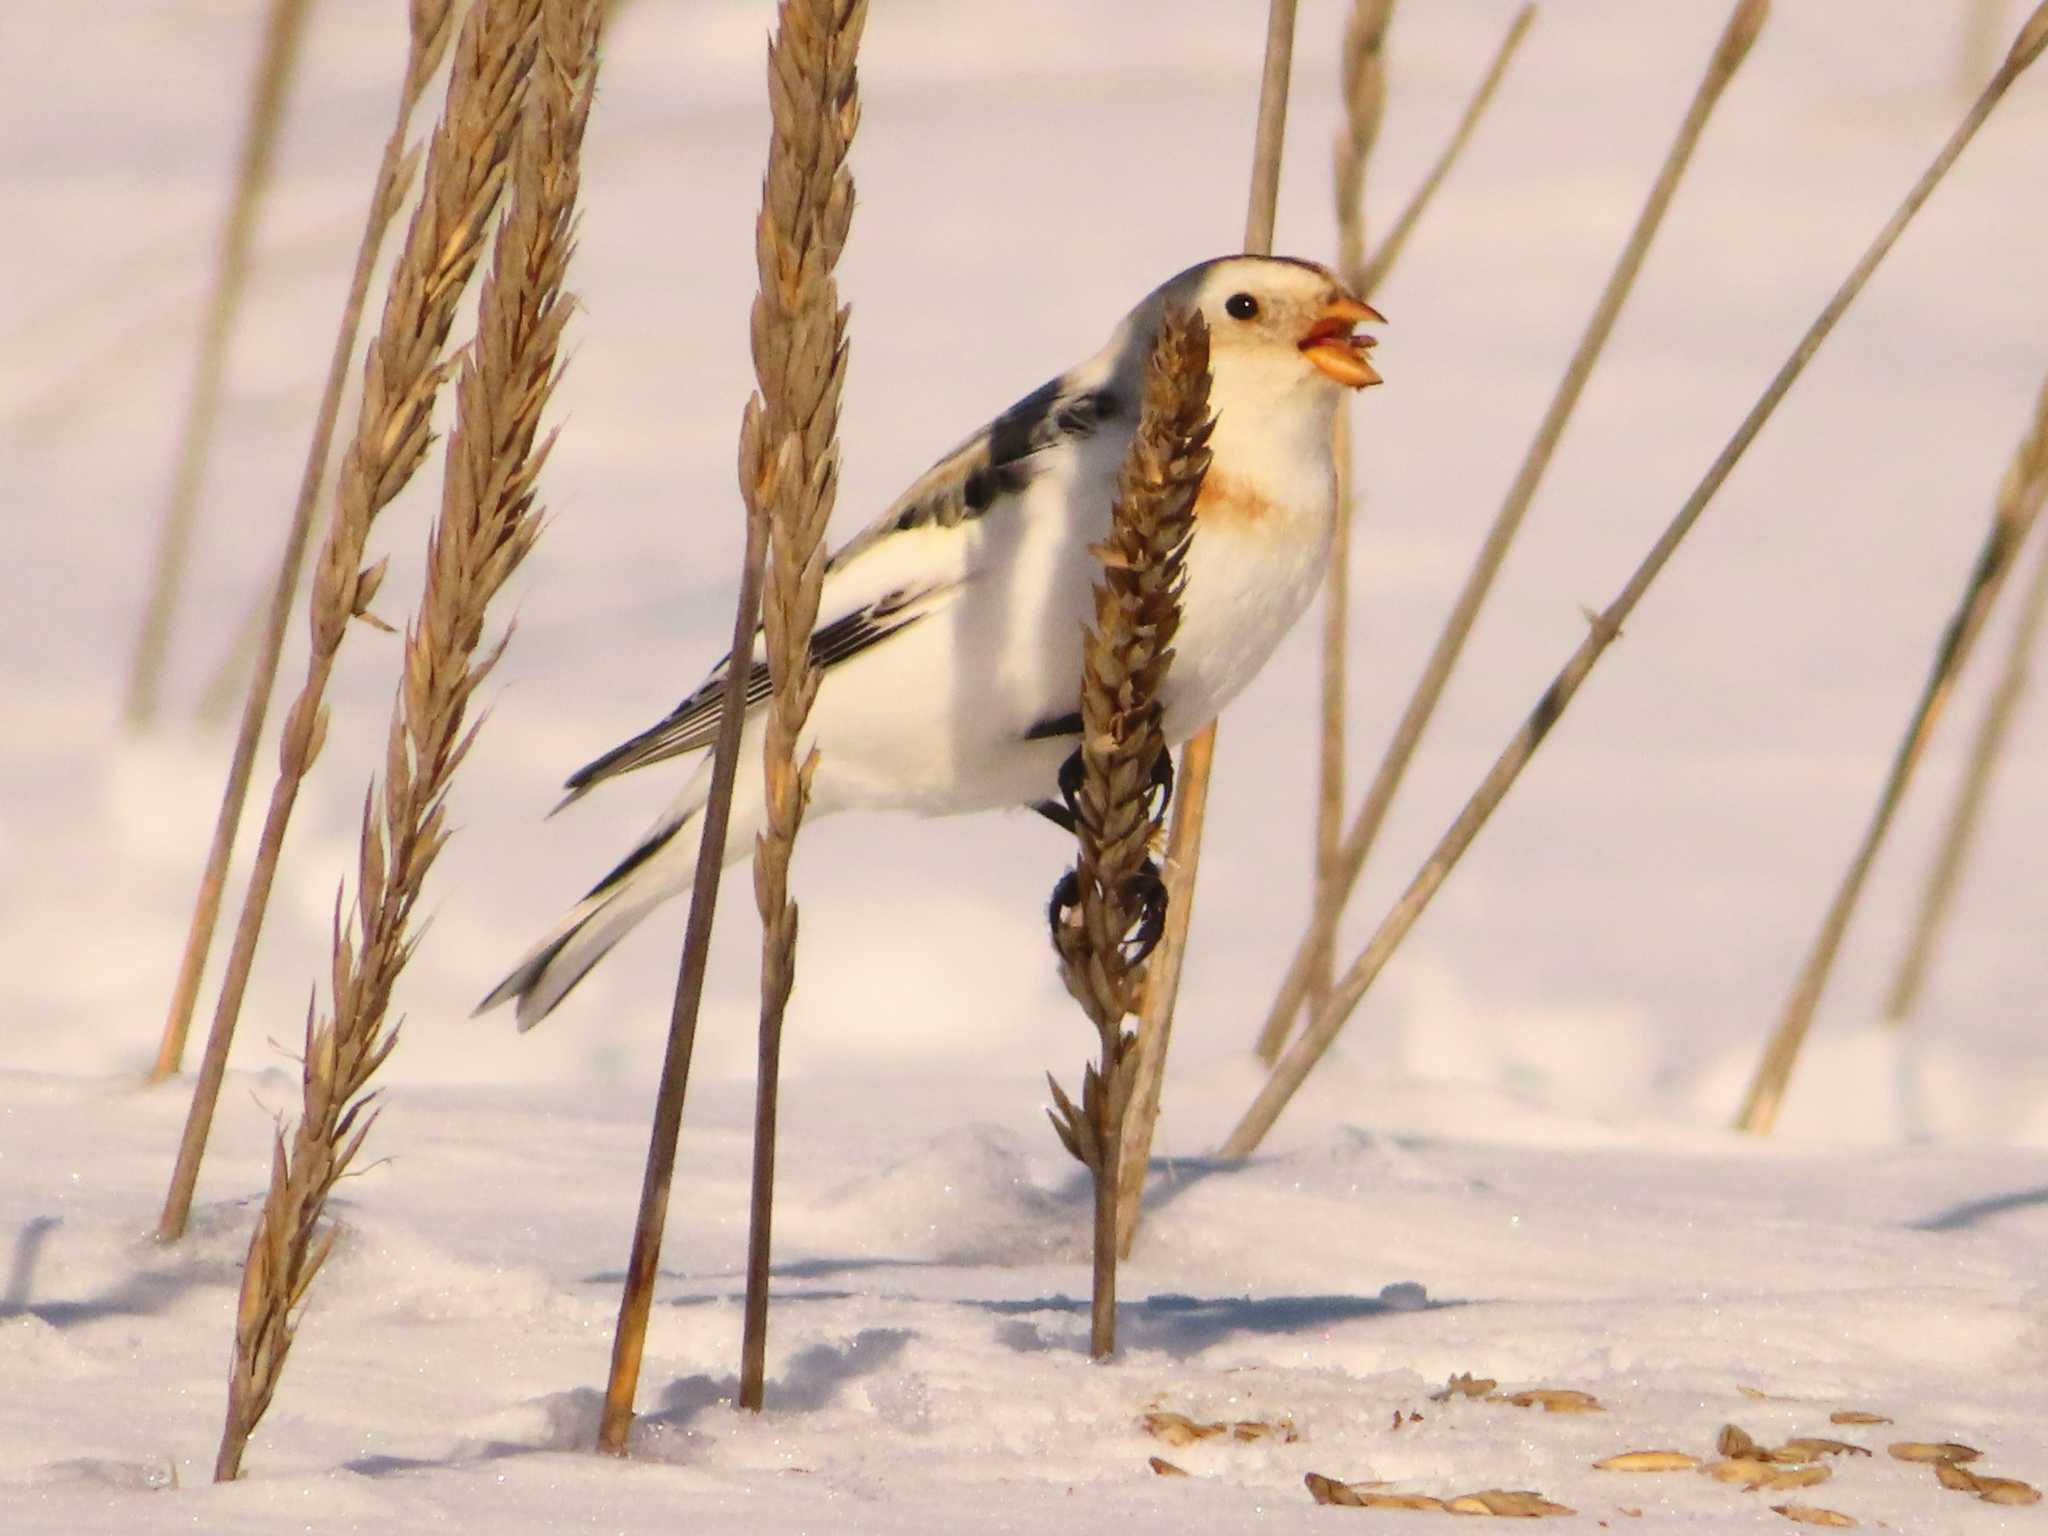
[283, 27]
[789, 461]
[1364, 86]
[1365, 282]
[1937, 896]
[1308, 1048]
[489, 519]
[1127, 652]
[1363, 277]
[2018, 504]
[1271, 132]
[428, 41]
[1198, 757]
[636, 1296]
[465, 170]
[1155, 1014]
[1743, 25]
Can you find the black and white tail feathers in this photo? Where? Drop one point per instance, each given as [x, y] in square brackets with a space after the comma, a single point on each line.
[639, 884]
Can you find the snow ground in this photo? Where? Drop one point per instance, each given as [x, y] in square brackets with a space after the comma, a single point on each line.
[1513, 1168]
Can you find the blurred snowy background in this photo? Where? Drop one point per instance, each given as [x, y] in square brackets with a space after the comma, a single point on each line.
[1514, 1165]
[1618, 942]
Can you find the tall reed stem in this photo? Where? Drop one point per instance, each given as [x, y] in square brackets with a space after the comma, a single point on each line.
[1364, 87]
[799, 332]
[1937, 896]
[1300, 1057]
[1126, 653]
[488, 522]
[1349, 862]
[636, 1296]
[1191, 798]
[403, 373]
[283, 27]
[2018, 504]
[788, 471]
[1366, 281]
[429, 36]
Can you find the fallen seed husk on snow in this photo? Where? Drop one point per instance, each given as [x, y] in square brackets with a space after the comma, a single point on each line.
[1735, 1442]
[1813, 1514]
[1784, 1479]
[1327, 1490]
[1259, 1429]
[1554, 1400]
[1464, 1384]
[1164, 1467]
[1856, 1416]
[1808, 1448]
[1932, 1450]
[1758, 1394]
[1961, 1479]
[1509, 1503]
[1178, 1428]
[1740, 1469]
[1649, 1461]
[2006, 1490]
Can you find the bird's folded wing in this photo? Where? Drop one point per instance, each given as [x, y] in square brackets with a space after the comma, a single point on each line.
[999, 461]
[894, 572]
[693, 724]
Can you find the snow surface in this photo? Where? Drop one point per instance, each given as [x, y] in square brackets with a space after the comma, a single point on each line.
[1515, 1166]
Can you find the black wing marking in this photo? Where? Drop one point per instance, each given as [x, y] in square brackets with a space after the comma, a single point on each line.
[693, 724]
[999, 461]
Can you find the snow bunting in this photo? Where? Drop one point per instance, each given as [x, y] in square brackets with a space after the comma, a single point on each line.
[949, 632]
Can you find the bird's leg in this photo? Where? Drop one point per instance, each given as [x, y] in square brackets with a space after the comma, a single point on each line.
[1149, 886]
[1057, 814]
[1066, 895]
[1162, 780]
[1072, 772]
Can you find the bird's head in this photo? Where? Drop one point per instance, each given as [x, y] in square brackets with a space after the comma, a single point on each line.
[1286, 322]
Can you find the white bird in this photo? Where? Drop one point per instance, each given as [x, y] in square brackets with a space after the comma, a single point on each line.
[949, 630]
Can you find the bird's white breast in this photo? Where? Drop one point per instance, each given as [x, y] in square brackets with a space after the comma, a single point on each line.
[1262, 542]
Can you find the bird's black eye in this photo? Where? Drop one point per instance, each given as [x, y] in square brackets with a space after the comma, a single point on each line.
[1241, 306]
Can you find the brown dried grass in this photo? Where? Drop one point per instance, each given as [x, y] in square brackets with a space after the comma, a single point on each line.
[489, 518]
[1303, 984]
[789, 474]
[406, 366]
[1300, 1058]
[1126, 653]
[431, 29]
[2021, 494]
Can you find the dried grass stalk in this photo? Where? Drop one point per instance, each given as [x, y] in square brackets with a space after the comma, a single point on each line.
[789, 472]
[1937, 897]
[1295, 1065]
[2018, 504]
[1348, 863]
[1368, 277]
[284, 25]
[1198, 757]
[430, 31]
[1163, 975]
[488, 521]
[1364, 88]
[1125, 656]
[406, 366]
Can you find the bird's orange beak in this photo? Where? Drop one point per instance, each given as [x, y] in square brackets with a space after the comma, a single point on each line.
[1332, 347]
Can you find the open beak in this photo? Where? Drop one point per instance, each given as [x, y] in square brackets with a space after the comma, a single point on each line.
[1332, 347]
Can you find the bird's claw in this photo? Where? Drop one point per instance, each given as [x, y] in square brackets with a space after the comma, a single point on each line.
[1149, 885]
[1162, 781]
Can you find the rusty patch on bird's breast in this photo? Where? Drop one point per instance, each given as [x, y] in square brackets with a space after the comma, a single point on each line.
[1227, 501]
